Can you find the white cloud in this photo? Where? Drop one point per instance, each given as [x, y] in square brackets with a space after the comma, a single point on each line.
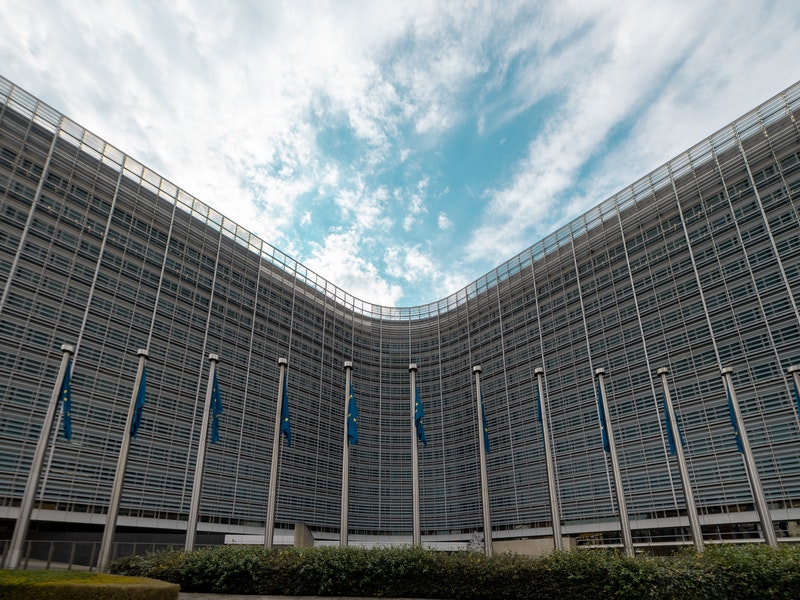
[364, 208]
[415, 207]
[443, 222]
[330, 177]
[417, 265]
[341, 260]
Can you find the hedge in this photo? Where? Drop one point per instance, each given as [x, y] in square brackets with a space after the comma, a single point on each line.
[730, 572]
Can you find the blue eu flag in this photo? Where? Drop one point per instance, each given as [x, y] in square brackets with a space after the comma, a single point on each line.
[670, 432]
[486, 446]
[66, 399]
[136, 421]
[735, 423]
[797, 399]
[352, 417]
[419, 414]
[603, 424]
[286, 428]
[538, 404]
[216, 409]
[540, 412]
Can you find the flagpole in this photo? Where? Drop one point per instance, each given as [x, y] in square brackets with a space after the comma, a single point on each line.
[194, 509]
[558, 543]
[104, 559]
[625, 525]
[344, 528]
[487, 525]
[416, 537]
[269, 531]
[14, 553]
[749, 463]
[691, 508]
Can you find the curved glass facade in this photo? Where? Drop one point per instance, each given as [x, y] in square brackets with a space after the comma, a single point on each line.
[694, 267]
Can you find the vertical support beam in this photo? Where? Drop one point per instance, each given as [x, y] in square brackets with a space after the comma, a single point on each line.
[12, 271]
[14, 553]
[416, 534]
[104, 559]
[749, 463]
[344, 527]
[272, 498]
[487, 524]
[691, 508]
[558, 543]
[197, 487]
[625, 524]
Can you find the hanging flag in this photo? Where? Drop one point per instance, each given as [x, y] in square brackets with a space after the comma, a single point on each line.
[216, 409]
[286, 428]
[486, 446]
[352, 417]
[603, 425]
[538, 404]
[670, 432]
[419, 414]
[540, 412]
[136, 421]
[797, 399]
[734, 422]
[66, 398]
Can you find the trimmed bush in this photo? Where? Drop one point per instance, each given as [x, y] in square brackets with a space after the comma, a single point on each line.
[730, 572]
[76, 585]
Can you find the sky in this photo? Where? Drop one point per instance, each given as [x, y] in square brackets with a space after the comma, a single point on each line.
[401, 150]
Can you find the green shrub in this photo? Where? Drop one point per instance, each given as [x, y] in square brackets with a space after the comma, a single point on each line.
[75, 585]
[163, 565]
[730, 572]
[755, 571]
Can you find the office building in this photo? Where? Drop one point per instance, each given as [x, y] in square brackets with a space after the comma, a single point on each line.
[694, 267]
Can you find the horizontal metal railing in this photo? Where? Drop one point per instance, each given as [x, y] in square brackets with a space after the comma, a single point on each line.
[77, 555]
